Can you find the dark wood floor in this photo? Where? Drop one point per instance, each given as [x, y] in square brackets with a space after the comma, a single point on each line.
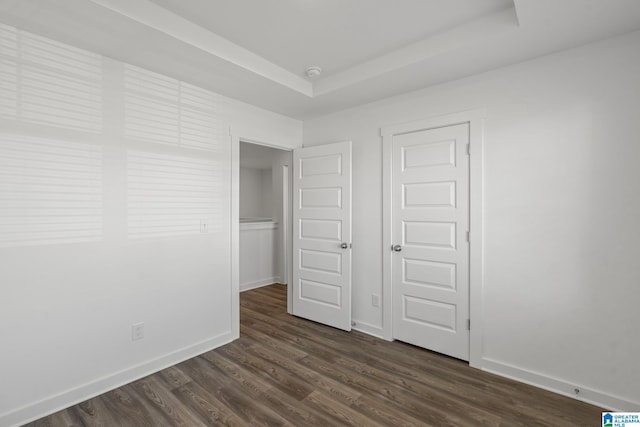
[288, 371]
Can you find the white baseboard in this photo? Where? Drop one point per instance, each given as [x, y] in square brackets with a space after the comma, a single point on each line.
[594, 397]
[102, 385]
[258, 283]
[368, 329]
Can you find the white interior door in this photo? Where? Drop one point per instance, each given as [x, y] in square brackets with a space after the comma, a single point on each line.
[430, 220]
[322, 234]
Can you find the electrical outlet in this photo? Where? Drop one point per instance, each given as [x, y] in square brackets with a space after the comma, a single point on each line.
[375, 300]
[137, 331]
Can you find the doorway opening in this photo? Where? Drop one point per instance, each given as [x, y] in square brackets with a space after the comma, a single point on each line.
[264, 240]
[308, 248]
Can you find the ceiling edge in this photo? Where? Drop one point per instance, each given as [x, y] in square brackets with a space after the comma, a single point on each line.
[470, 33]
[161, 19]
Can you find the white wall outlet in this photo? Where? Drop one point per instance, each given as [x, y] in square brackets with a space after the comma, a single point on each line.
[137, 331]
[375, 300]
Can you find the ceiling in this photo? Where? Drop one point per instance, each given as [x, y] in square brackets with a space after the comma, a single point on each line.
[295, 34]
[257, 51]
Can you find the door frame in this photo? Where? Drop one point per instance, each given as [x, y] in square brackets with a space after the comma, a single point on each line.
[286, 227]
[475, 119]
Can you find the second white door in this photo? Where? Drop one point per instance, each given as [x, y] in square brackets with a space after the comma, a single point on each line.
[430, 223]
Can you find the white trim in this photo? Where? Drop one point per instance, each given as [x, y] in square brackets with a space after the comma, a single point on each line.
[258, 226]
[368, 329]
[287, 225]
[259, 283]
[235, 235]
[476, 227]
[558, 386]
[387, 206]
[109, 382]
[469, 116]
[475, 119]
[262, 143]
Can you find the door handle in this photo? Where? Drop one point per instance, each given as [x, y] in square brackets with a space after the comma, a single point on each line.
[396, 248]
[344, 245]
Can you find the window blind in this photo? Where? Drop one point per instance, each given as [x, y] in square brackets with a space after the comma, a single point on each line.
[171, 195]
[50, 191]
[164, 110]
[49, 83]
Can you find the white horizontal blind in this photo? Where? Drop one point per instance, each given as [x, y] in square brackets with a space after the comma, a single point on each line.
[50, 191]
[50, 188]
[8, 73]
[161, 109]
[49, 83]
[172, 195]
[151, 106]
[173, 148]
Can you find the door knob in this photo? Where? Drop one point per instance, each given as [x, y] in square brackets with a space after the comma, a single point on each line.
[344, 245]
[397, 248]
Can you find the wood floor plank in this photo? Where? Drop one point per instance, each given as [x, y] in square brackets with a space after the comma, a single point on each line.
[205, 404]
[282, 402]
[62, 418]
[156, 411]
[158, 394]
[289, 371]
[236, 398]
[126, 408]
[337, 389]
[174, 377]
[388, 394]
[343, 414]
[420, 390]
[95, 412]
[286, 351]
[278, 376]
[390, 415]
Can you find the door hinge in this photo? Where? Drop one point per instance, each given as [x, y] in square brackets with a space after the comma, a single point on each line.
[468, 149]
[468, 236]
[468, 324]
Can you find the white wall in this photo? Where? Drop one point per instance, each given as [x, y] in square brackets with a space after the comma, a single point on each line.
[258, 257]
[561, 208]
[258, 242]
[282, 158]
[256, 193]
[267, 192]
[100, 224]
